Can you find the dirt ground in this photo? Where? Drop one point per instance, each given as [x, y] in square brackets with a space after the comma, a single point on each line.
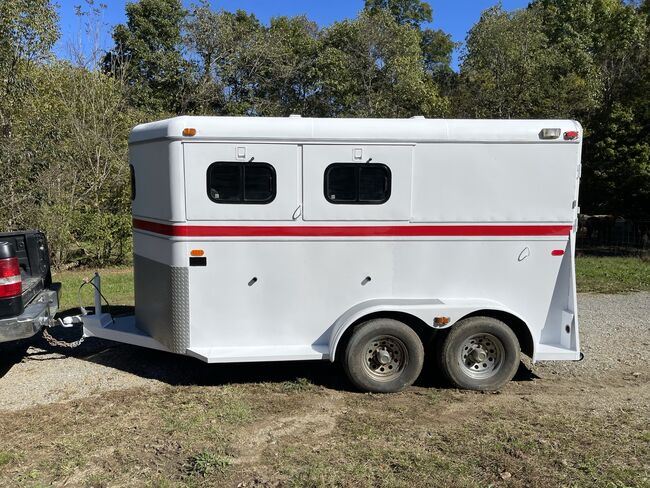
[114, 415]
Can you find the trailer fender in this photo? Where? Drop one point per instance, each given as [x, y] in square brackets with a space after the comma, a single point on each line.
[426, 310]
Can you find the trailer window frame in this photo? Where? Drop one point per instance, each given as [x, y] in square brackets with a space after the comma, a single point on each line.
[242, 167]
[358, 169]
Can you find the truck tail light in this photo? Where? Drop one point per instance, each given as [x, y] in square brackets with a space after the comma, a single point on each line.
[10, 282]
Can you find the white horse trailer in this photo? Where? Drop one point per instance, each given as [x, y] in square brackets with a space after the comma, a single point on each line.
[278, 239]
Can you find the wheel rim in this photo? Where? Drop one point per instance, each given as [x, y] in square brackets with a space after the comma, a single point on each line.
[385, 357]
[481, 356]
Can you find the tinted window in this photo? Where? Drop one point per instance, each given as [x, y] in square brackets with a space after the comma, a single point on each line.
[341, 181]
[224, 182]
[259, 183]
[374, 183]
[359, 183]
[241, 183]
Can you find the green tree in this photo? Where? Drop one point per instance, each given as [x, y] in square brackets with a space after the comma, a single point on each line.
[510, 69]
[602, 39]
[76, 126]
[232, 53]
[610, 37]
[290, 78]
[616, 178]
[63, 156]
[372, 67]
[437, 46]
[411, 12]
[147, 55]
[28, 30]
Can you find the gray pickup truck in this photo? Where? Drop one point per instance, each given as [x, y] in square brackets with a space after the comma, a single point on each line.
[28, 298]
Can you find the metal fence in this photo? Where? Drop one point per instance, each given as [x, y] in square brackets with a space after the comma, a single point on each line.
[611, 235]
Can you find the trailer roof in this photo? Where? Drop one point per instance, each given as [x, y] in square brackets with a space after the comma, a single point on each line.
[299, 129]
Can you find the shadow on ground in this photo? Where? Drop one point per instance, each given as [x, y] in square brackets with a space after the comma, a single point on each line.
[174, 369]
[11, 353]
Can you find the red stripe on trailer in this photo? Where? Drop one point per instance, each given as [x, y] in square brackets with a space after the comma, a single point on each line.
[354, 231]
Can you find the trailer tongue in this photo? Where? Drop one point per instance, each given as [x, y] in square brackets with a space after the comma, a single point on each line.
[103, 325]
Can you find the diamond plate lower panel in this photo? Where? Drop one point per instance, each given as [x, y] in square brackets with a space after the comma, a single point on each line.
[162, 303]
[180, 310]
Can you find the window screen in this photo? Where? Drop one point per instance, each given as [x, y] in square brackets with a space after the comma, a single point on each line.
[357, 183]
[252, 183]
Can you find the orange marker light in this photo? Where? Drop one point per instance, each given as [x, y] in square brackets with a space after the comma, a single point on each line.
[189, 132]
[197, 252]
[441, 320]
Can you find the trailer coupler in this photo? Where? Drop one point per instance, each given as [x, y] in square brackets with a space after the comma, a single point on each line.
[70, 321]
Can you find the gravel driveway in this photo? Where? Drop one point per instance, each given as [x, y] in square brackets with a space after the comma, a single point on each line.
[614, 329]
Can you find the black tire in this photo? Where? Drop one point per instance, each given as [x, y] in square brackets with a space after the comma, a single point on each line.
[479, 353]
[383, 356]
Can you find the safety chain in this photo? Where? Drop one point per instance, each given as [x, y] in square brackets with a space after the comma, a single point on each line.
[55, 342]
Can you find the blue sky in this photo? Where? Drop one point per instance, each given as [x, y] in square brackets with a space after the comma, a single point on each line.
[453, 16]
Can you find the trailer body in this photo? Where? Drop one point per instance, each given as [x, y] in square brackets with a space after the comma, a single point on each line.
[261, 239]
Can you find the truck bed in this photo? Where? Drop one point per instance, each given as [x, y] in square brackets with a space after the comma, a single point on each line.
[34, 261]
[22, 316]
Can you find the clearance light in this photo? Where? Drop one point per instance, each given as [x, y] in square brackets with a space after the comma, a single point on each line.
[550, 133]
[440, 321]
[571, 135]
[189, 132]
[557, 252]
[197, 253]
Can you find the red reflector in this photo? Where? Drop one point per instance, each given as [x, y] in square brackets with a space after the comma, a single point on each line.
[571, 135]
[10, 281]
[557, 252]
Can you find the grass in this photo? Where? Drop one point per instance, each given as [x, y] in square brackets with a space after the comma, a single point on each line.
[612, 275]
[127, 438]
[595, 275]
[395, 441]
[328, 438]
[117, 287]
[206, 463]
[300, 384]
[6, 458]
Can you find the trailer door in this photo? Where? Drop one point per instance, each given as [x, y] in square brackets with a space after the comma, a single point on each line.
[241, 181]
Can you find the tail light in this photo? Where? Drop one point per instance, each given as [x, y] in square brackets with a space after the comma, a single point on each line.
[10, 282]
